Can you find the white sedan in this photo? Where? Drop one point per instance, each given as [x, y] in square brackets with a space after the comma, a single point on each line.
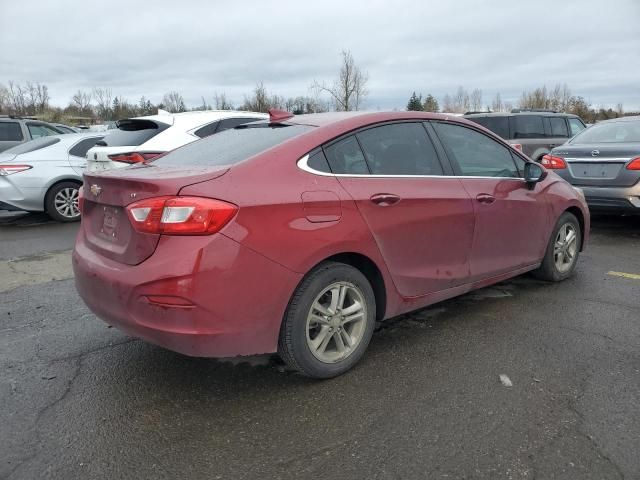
[144, 138]
[45, 174]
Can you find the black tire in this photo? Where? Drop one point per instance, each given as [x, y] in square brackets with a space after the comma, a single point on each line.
[549, 270]
[50, 202]
[293, 344]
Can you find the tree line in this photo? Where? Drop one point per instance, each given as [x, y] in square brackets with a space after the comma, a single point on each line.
[345, 93]
[558, 98]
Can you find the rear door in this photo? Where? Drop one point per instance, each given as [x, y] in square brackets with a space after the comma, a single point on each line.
[512, 222]
[422, 219]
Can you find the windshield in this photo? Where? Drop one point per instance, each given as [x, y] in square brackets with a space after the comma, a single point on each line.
[232, 146]
[610, 132]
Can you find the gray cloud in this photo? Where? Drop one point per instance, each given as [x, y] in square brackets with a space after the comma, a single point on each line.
[199, 47]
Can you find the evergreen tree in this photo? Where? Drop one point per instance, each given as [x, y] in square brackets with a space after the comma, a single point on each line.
[415, 103]
[431, 104]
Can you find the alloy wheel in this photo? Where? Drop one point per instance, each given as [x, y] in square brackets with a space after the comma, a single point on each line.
[66, 202]
[336, 322]
[565, 247]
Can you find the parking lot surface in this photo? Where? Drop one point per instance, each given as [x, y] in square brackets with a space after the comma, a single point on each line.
[81, 400]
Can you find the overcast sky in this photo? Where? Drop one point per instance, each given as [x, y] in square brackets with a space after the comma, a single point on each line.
[200, 47]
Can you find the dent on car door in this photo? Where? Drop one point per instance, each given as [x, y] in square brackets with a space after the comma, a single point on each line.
[422, 221]
[511, 219]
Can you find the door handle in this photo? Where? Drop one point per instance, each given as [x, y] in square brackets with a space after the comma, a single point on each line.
[485, 198]
[385, 199]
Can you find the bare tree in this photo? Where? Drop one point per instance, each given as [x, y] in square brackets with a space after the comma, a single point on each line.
[173, 102]
[104, 99]
[81, 100]
[220, 101]
[447, 104]
[476, 100]
[350, 88]
[496, 104]
[4, 99]
[619, 108]
[261, 101]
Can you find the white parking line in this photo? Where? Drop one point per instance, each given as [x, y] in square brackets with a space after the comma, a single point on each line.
[632, 276]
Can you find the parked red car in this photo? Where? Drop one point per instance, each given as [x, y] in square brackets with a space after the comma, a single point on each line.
[295, 235]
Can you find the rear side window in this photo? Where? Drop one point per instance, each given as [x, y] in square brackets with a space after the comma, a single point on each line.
[527, 126]
[345, 157]
[399, 149]
[475, 154]
[33, 145]
[228, 123]
[498, 125]
[207, 130]
[10, 132]
[318, 162]
[81, 148]
[133, 132]
[558, 127]
[231, 146]
[576, 126]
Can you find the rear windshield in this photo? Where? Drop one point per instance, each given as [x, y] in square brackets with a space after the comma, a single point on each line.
[498, 125]
[131, 133]
[33, 145]
[232, 146]
[614, 132]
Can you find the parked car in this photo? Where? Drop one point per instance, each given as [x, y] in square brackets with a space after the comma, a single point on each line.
[297, 234]
[15, 130]
[604, 161]
[66, 128]
[141, 139]
[535, 132]
[45, 175]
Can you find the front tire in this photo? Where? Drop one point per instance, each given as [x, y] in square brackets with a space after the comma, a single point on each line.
[562, 252]
[61, 202]
[329, 321]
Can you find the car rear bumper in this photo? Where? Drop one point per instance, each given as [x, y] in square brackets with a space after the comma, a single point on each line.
[200, 296]
[623, 199]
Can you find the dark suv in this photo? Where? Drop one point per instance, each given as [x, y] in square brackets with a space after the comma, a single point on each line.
[535, 132]
[15, 130]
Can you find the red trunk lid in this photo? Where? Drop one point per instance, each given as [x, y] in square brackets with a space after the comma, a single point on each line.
[105, 223]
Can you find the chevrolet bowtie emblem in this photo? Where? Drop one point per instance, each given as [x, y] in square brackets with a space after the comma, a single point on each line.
[96, 189]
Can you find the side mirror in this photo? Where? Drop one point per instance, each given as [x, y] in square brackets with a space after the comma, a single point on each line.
[533, 173]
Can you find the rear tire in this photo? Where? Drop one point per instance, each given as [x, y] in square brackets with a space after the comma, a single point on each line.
[329, 321]
[563, 250]
[61, 202]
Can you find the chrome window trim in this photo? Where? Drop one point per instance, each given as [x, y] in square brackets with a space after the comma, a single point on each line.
[302, 165]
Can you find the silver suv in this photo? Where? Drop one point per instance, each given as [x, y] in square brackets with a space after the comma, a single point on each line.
[534, 132]
[15, 130]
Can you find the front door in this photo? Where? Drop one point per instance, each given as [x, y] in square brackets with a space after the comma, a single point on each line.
[421, 220]
[512, 221]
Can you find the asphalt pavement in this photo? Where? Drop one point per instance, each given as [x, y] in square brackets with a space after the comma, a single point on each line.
[81, 400]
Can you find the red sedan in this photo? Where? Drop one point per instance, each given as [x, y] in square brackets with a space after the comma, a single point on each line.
[295, 235]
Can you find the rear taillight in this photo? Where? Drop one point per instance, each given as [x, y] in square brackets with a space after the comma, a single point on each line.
[180, 215]
[552, 162]
[11, 169]
[134, 157]
[634, 164]
[517, 146]
[81, 198]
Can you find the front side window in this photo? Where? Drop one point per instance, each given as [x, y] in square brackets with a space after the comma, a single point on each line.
[10, 132]
[576, 126]
[475, 154]
[399, 149]
[527, 126]
[558, 127]
[345, 157]
[38, 130]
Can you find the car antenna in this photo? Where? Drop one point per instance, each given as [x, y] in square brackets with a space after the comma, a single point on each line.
[276, 115]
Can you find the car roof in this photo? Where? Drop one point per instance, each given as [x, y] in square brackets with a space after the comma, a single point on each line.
[515, 114]
[199, 117]
[363, 117]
